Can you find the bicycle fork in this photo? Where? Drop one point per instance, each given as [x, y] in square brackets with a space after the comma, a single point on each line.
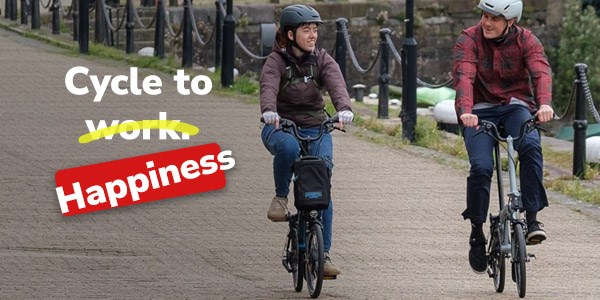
[291, 248]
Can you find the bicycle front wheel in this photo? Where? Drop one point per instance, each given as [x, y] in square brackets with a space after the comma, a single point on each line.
[519, 259]
[297, 261]
[497, 267]
[315, 260]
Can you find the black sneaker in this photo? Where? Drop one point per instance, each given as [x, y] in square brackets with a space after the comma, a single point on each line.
[477, 256]
[535, 233]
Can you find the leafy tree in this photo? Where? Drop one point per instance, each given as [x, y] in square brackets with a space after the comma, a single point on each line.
[579, 43]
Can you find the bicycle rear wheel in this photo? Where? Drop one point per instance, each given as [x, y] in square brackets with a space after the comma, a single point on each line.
[315, 260]
[519, 259]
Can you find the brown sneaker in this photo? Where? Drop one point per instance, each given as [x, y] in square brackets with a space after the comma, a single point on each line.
[330, 269]
[278, 209]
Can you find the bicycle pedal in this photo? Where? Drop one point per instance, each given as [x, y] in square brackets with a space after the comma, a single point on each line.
[332, 277]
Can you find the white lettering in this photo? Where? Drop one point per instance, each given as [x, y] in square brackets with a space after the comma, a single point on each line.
[150, 85]
[112, 193]
[63, 199]
[69, 81]
[207, 85]
[187, 166]
[134, 188]
[181, 78]
[207, 161]
[227, 162]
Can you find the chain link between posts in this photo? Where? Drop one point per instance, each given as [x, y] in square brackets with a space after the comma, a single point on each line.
[353, 56]
[238, 40]
[588, 94]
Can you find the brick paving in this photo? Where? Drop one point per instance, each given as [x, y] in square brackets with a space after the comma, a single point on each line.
[398, 233]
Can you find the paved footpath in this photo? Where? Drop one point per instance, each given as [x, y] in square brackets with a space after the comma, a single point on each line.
[398, 232]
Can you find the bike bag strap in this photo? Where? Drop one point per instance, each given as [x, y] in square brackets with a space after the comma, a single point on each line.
[312, 183]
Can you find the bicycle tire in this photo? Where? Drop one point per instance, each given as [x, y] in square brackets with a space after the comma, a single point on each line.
[297, 257]
[315, 260]
[519, 259]
[497, 260]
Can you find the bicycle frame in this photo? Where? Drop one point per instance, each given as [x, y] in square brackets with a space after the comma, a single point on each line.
[507, 229]
[508, 211]
[303, 254]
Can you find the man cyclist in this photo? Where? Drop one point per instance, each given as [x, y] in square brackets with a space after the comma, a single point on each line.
[290, 84]
[502, 75]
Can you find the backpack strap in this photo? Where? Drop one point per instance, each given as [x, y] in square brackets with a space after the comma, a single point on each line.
[294, 76]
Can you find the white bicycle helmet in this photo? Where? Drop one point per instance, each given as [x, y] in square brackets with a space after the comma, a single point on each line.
[506, 8]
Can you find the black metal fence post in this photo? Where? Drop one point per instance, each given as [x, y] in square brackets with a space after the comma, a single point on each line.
[218, 34]
[228, 46]
[159, 31]
[129, 47]
[579, 124]
[35, 14]
[340, 44]
[384, 76]
[188, 47]
[409, 89]
[76, 20]
[55, 17]
[84, 26]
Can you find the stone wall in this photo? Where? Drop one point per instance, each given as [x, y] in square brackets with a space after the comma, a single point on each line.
[437, 25]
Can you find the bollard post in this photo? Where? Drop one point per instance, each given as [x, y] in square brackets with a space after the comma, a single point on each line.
[23, 12]
[579, 124]
[340, 44]
[384, 76]
[55, 17]
[218, 34]
[409, 89]
[228, 46]
[35, 14]
[12, 10]
[100, 26]
[129, 47]
[188, 49]
[75, 20]
[159, 31]
[84, 26]
[359, 92]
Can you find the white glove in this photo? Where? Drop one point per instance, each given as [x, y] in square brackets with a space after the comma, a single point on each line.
[270, 117]
[345, 116]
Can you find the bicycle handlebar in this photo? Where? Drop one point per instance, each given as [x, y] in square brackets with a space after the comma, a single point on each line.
[491, 129]
[326, 126]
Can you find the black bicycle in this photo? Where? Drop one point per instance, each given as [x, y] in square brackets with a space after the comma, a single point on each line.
[304, 254]
[508, 227]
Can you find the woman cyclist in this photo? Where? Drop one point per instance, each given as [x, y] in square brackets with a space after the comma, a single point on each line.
[290, 84]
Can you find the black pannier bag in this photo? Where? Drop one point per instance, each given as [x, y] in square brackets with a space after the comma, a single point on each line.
[312, 183]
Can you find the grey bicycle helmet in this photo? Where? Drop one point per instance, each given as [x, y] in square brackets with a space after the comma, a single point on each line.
[506, 8]
[295, 15]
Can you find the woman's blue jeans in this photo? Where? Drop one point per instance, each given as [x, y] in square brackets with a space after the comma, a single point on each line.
[480, 148]
[285, 149]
